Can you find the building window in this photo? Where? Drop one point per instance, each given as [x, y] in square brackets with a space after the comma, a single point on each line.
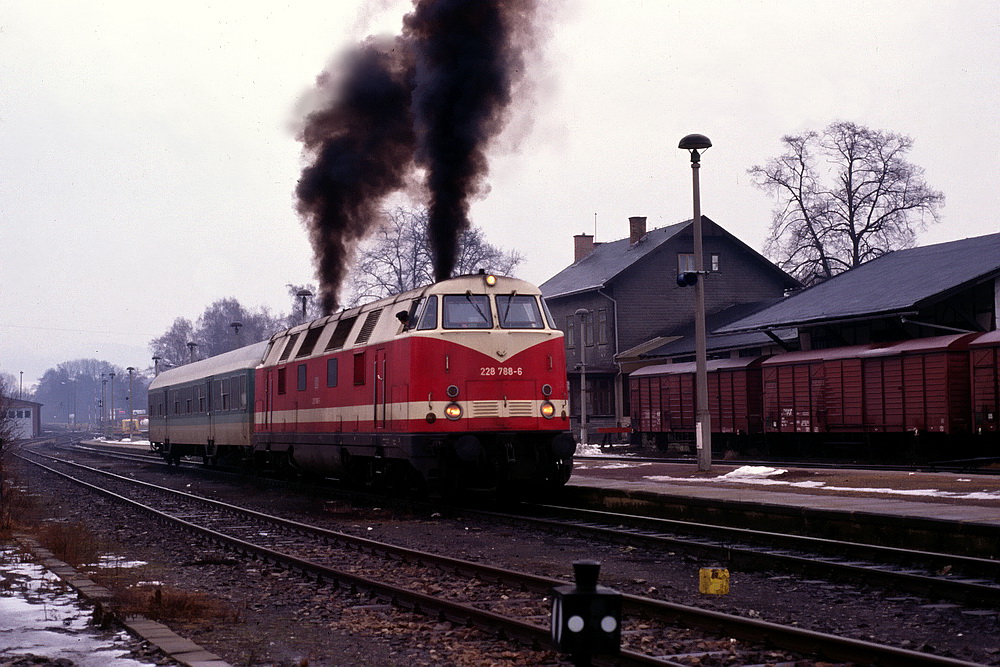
[685, 262]
[602, 326]
[302, 377]
[714, 262]
[570, 331]
[588, 331]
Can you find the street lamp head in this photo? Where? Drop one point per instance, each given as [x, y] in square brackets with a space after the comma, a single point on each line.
[695, 143]
[582, 312]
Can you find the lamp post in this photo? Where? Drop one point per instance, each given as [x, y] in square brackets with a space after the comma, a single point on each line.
[703, 423]
[131, 408]
[304, 294]
[113, 415]
[104, 394]
[582, 314]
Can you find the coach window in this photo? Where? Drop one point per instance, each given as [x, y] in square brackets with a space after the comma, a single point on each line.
[359, 368]
[303, 374]
[467, 311]
[428, 318]
[226, 403]
[241, 394]
[331, 372]
[519, 311]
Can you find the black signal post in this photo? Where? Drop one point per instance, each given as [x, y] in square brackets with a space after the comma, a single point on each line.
[694, 143]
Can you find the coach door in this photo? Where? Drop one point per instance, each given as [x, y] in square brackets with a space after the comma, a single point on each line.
[379, 398]
[207, 407]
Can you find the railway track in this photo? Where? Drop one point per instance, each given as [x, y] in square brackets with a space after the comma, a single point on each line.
[964, 579]
[501, 600]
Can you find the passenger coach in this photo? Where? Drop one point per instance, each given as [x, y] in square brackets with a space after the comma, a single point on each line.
[205, 408]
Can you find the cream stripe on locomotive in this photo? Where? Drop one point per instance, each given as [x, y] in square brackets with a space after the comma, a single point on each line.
[416, 410]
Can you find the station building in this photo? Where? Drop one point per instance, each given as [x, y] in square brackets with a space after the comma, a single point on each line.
[25, 417]
[628, 292]
[636, 316]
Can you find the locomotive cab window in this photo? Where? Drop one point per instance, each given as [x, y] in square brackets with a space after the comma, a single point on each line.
[467, 311]
[519, 311]
[429, 315]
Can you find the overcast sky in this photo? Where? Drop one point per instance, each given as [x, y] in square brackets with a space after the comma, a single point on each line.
[147, 160]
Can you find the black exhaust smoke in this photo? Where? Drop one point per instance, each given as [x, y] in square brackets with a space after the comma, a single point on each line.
[432, 98]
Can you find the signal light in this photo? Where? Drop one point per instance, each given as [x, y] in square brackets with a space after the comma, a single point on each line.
[687, 279]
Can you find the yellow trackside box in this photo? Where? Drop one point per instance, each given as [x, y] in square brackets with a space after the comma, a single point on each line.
[713, 581]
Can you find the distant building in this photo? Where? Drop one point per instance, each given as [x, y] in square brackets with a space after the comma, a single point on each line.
[25, 417]
[629, 291]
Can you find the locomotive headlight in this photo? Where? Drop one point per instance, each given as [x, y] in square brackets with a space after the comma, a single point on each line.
[548, 410]
[491, 279]
[453, 411]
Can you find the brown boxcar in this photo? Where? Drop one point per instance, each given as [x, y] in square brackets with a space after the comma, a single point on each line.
[984, 354]
[839, 398]
[663, 399]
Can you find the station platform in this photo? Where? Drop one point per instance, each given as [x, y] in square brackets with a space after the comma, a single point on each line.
[925, 510]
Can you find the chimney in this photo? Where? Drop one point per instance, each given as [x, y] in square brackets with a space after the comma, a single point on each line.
[636, 229]
[583, 245]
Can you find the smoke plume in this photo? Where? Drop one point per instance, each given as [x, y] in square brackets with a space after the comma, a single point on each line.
[431, 99]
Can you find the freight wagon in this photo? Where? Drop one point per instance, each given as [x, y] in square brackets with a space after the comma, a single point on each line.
[911, 401]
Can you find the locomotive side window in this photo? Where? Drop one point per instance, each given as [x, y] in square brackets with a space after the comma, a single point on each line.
[428, 318]
[548, 315]
[331, 372]
[519, 311]
[303, 378]
[281, 381]
[359, 368]
[467, 311]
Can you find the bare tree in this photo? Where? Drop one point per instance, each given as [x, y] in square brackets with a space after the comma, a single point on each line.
[845, 196]
[172, 346]
[398, 257]
[313, 304]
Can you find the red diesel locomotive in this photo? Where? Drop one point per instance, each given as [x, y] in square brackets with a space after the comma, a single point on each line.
[457, 385]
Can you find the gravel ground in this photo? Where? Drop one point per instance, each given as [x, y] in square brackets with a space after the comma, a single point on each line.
[268, 617]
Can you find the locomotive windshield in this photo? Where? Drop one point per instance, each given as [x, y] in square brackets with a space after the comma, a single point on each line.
[466, 311]
[519, 311]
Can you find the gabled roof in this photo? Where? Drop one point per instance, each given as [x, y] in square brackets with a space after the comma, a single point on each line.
[683, 343]
[899, 282]
[608, 260]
